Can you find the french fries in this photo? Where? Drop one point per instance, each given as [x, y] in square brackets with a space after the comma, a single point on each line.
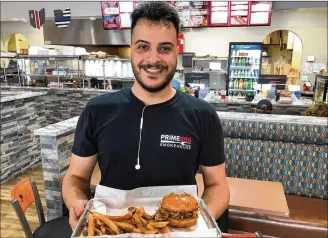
[136, 220]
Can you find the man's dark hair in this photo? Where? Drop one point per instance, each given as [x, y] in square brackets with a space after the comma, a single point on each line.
[156, 12]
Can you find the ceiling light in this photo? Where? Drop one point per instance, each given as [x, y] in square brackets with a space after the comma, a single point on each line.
[284, 10]
[93, 18]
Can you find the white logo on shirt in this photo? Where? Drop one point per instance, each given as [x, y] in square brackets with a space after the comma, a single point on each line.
[173, 141]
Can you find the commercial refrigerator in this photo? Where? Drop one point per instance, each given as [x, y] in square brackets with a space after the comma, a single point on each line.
[321, 88]
[244, 68]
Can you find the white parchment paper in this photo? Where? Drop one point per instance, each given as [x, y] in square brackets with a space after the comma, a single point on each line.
[116, 202]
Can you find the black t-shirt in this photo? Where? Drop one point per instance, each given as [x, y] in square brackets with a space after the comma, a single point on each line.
[176, 137]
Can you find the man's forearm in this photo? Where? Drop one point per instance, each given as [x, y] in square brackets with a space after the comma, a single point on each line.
[74, 189]
[217, 198]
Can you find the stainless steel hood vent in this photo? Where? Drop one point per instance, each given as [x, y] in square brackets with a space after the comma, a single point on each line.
[84, 32]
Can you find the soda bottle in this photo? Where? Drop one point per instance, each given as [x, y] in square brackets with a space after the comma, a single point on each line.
[237, 62]
[231, 84]
[246, 84]
[235, 83]
[241, 84]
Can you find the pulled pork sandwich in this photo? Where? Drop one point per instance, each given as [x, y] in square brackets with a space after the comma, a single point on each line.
[180, 210]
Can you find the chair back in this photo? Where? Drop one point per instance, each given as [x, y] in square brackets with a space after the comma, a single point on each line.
[23, 195]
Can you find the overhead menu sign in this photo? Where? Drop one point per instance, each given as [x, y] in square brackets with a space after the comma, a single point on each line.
[260, 13]
[117, 14]
[219, 12]
[199, 14]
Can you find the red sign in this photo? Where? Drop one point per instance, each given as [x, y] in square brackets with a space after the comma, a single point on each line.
[199, 14]
[219, 13]
[116, 14]
[260, 13]
[235, 13]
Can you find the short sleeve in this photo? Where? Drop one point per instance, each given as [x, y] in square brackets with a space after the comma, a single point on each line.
[212, 147]
[84, 144]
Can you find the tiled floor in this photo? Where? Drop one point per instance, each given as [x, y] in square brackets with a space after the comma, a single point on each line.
[10, 225]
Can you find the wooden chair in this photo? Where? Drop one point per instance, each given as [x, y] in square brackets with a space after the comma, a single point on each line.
[23, 195]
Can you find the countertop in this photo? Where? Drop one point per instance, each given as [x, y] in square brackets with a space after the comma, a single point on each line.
[16, 95]
[69, 125]
[300, 103]
[59, 128]
[69, 89]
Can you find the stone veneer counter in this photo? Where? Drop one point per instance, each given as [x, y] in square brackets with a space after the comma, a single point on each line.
[21, 113]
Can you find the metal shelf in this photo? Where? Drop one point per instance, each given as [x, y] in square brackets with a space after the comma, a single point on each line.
[241, 77]
[209, 59]
[47, 75]
[96, 59]
[110, 78]
[50, 57]
[244, 90]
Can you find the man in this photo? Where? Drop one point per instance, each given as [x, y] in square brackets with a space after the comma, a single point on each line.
[150, 134]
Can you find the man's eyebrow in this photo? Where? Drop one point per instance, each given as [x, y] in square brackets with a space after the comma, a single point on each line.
[166, 43]
[142, 41]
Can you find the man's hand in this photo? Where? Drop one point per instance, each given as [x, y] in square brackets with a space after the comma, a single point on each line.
[75, 212]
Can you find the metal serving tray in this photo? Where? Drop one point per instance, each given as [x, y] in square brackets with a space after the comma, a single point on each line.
[212, 231]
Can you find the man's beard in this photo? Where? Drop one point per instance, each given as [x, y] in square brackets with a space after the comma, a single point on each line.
[163, 85]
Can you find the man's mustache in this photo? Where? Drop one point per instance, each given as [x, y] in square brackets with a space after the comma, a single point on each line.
[158, 66]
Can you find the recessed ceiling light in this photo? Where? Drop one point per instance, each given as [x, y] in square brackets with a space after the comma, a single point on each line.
[24, 20]
[93, 18]
[284, 10]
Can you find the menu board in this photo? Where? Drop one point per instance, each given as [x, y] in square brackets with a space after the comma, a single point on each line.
[260, 13]
[117, 14]
[183, 9]
[219, 12]
[239, 14]
[199, 14]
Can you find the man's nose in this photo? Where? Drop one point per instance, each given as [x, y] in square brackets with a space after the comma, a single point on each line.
[153, 56]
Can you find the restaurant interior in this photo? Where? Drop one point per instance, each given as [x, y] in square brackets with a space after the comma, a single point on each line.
[233, 55]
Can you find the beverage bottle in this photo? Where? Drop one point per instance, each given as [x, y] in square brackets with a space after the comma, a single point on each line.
[246, 84]
[237, 62]
[241, 84]
[232, 73]
[231, 84]
[235, 73]
[235, 83]
[247, 61]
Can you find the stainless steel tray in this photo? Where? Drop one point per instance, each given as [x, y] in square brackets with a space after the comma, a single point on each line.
[203, 213]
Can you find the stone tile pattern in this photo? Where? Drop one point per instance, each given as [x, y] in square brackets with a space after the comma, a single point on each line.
[63, 104]
[56, 156]
[19, 147]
